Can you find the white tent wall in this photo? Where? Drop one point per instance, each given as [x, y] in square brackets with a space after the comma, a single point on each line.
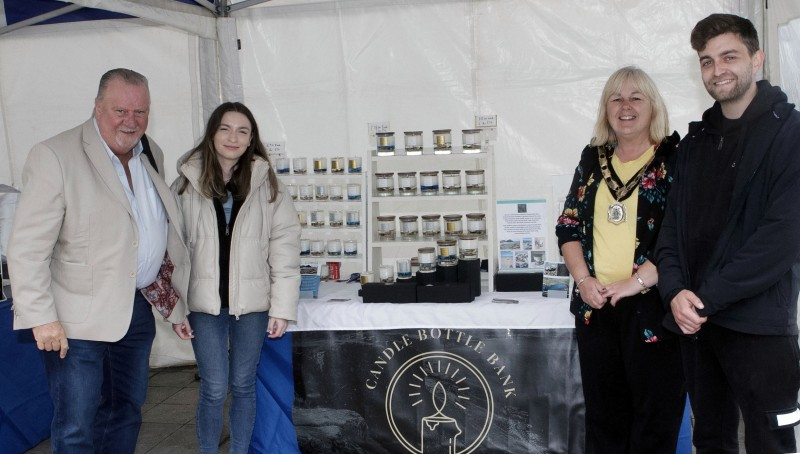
[49, 77]
[317, 73]
[781, 42]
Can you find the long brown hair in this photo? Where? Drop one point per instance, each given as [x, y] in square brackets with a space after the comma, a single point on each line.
[212, 184]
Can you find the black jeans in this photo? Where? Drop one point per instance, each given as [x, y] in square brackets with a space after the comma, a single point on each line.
[728, 371]
[633, 390]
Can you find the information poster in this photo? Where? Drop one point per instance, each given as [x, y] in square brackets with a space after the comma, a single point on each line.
[522, 235]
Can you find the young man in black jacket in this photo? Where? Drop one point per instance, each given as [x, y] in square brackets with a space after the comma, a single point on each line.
[729, 249]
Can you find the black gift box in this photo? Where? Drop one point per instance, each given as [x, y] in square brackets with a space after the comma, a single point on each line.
[469, 271]
[398, 292]
[456, 292]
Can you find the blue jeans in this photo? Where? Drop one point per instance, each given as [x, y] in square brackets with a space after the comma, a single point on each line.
[99, 388]
[227, 348]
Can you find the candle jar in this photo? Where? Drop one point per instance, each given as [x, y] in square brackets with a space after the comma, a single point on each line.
[354, 164]
[365, 277]
[476, 224]
[413, 142]
[475, 181]
[441, 141]
[385, 143]
[409, 228]
[335, 192]
[451, 182]
[446, 253]
[429, 182]
[324, 272]
[471, 140]
[386, 227]
[468, 247]
[431, 225]
[302, 218]
[320, 165]
[317, 218]
[403, 269]
[305, 247]
[407, 183]
[353, 191]
[335, 218]
[353, 218]
[291, 189]
[337, 164]
[453, 225]
[299, 166]
[426, 257]
[320, 192]
[384, 183]
[350, 247]
[317, 248]
[306, 192]
[386, 273]
[335, 247]
[282, 166]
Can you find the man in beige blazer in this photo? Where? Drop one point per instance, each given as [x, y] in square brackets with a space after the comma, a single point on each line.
[95, 236]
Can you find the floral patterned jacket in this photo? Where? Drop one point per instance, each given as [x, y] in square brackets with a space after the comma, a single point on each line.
[577, 220]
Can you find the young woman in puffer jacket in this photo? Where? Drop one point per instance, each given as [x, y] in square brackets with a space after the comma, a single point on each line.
[243, 238]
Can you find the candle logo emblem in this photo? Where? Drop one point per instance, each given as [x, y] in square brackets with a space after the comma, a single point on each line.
[447, 396]
[439, 432]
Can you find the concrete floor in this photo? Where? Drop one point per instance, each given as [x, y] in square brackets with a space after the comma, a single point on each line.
[167, 416]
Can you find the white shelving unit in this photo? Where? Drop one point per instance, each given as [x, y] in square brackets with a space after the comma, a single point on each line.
[349, 263]
[383, 251]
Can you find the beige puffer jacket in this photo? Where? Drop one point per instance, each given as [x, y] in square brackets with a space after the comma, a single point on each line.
[265, 248]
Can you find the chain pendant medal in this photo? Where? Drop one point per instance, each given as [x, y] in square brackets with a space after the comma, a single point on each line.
[617, 213]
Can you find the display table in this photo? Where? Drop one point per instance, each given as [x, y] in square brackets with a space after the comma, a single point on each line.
[25, 405]
[422, 377]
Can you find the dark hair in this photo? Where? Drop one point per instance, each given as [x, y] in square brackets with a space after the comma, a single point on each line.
[212, 183]
[128, 76]
[718, 24]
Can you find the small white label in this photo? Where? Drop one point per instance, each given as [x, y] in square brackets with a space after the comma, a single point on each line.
[275, 148]
[485, 121]
[377, 126]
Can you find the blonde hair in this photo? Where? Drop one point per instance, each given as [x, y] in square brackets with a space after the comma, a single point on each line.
[659, 119]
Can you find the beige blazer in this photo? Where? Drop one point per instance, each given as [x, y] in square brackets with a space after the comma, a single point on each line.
[73, 247]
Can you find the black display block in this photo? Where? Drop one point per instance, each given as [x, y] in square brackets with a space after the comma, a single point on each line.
[456, 292]
[398, 292]
[469, 271]
[447, 274]
[518, 282]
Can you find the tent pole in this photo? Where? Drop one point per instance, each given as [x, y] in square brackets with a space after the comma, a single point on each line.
[39, 18]
[246, 3]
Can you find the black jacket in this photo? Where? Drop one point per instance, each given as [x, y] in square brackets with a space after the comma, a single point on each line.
[752, 277]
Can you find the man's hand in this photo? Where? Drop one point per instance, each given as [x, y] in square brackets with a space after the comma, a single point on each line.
[51, 337]
[684, 308]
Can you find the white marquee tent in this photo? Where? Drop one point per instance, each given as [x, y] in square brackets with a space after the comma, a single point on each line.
[315, 72]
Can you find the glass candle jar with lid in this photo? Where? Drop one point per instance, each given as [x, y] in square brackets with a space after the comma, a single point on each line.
[387, 227]
[335, 192]
[453, 225]
[317, 248]
[350, 247]
[306, 192]
[429, 182]
[317, 218]
[334, 247]
[335, 219]
[476, 224]
[291, 189]
[413, 142]
[446, 253]
[321, 192]
[475, 181]
[305, 247]
[451, 182]
[403, 269]
[299, 166]
[353, 218]
[384, 183]
[386, 273]
[468, 247]
[320, 165]
[441, 141]
[353, 191]
[354, 164]
[431, 225]
[471, 140]
[282, 165]
[407, 183]
[337, 164]
[426, 257]
[409, 227]
[384, 143]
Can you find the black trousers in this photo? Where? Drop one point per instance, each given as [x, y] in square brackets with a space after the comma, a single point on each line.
[634, 390]
[729, 371]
